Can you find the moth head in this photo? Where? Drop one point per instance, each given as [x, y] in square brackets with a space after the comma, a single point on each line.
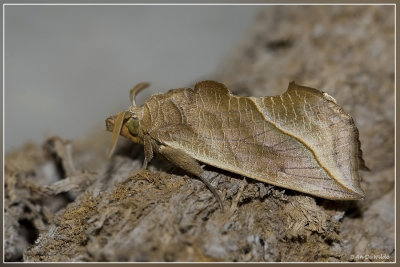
[133, 125]
[127, 123]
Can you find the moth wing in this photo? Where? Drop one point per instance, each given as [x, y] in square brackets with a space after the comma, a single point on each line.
[210, 87]
[235, 134]
[314, 118]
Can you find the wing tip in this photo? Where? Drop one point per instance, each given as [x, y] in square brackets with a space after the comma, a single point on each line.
[358, 193]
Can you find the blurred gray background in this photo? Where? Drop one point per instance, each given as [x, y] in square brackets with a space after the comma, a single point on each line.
[67, 68]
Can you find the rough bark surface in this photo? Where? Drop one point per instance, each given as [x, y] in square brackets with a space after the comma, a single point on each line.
[65, 202]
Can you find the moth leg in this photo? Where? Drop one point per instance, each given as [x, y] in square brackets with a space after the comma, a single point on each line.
[189, 164]
[238, 195]
[212, 189]
[148, 151]
[148, 156]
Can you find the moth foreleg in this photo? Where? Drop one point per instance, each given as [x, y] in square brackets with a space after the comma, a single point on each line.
[148, 151]
[148, 155]
[189, 164]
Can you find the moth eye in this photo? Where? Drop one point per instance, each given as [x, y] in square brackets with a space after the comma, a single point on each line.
[133, 126]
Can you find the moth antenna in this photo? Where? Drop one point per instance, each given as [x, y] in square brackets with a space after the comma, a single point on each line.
[136, 90]
[115, 134]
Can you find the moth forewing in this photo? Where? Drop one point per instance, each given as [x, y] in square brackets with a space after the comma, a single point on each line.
[296, 140]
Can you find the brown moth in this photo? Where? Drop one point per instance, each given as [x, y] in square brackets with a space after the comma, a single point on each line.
[300, 140]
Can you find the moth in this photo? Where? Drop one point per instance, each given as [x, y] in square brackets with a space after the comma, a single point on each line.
[300, 140]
